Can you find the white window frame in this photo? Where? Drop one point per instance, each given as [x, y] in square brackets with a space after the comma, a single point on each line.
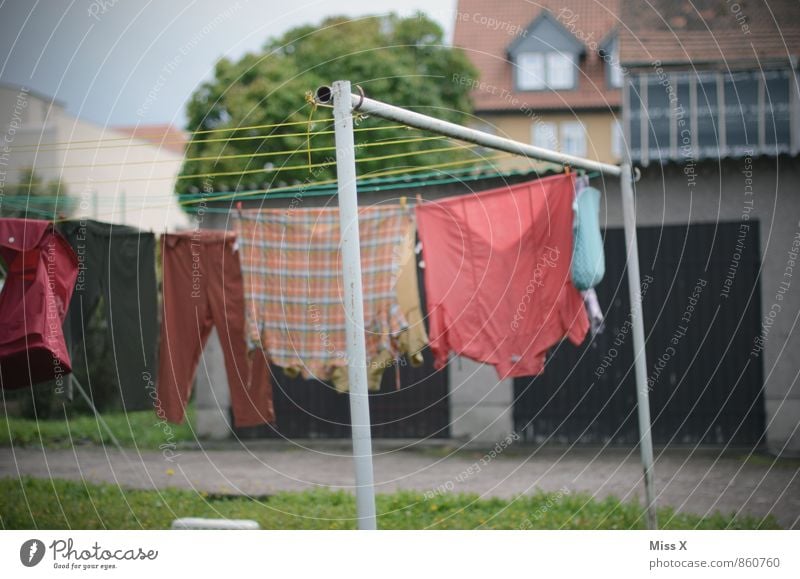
[528, 78]
[544, 134]
[616, 76]
[617, 139]
[560, 78]
[569, 131]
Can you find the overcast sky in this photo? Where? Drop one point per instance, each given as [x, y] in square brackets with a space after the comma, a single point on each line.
[106, 59]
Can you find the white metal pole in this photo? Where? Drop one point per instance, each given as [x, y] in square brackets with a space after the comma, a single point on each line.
[640, 358]
[424, 122]
[354, 304]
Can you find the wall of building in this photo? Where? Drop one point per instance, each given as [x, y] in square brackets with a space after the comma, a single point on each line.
[110, 177]
[733, 190]
[132, 181]
[518, 126]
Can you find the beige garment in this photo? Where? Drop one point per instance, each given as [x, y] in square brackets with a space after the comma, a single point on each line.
[413, 338]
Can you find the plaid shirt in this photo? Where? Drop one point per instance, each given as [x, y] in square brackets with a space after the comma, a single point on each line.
[291, 265]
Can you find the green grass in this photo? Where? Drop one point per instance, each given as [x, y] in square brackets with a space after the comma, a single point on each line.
[56, 504]
[143, 429]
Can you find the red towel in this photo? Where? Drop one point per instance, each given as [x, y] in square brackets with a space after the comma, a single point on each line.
[497, 275]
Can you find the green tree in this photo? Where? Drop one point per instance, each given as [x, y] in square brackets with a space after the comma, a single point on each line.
[402, 61]
[34, 198]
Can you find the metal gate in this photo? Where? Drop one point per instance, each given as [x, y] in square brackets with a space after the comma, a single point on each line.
[702, 319]
[313, 409]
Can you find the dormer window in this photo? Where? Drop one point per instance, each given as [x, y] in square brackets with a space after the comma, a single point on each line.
[543, 70]
[609, 52]
[546, 57]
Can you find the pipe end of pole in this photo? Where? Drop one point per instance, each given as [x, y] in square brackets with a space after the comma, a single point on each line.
[323, 95]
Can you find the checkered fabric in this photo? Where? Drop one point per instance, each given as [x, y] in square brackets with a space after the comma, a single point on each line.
[291, 263]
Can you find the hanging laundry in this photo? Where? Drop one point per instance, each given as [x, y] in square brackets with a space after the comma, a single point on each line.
[203, 289]
[412, 339]
[41, 269]
[498, 275]
[588, 257]
[117, 265]
[293, 284]
[596, 318]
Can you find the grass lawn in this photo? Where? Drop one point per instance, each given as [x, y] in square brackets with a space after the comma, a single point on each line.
[56, 504]
[142, 429]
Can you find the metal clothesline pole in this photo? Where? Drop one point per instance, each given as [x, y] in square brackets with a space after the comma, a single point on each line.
[354, 305]
[639, 357]
[344, 107]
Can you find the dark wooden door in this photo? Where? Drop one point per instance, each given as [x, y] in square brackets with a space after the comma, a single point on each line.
[702, 320]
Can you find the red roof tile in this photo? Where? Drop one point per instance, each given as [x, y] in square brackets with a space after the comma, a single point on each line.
[484, 30]
[164, 136]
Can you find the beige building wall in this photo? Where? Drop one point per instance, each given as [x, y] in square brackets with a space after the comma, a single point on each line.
[601, 130]
[110, 176]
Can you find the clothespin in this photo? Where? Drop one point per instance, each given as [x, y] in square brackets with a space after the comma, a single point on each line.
[419, 198]
[403, 202]
[239, 208]
[566, 169]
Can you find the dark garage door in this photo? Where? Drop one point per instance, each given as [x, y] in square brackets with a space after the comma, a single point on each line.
[313, 409]
[419, 408]
[705, 386]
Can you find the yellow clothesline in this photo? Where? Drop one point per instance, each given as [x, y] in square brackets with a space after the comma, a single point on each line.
[369, 175]
[45, 147]
[258, 171]
[240, 156]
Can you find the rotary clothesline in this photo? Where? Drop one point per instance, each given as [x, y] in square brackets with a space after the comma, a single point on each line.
[345, 103]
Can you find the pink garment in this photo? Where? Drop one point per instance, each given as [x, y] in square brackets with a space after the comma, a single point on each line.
[497, 275]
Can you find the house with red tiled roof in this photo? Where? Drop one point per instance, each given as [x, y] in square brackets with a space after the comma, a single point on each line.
[711, 78]
[548, 72]
[712, 118]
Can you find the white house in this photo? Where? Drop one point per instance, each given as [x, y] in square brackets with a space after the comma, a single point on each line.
[115, 174]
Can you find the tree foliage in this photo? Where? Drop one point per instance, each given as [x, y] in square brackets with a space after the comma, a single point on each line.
[34, 198]
[402, 61]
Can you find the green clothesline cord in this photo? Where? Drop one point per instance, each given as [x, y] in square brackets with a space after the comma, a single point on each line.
[327, 191]
[299, 187]
[410, 180]
[332, 190]
[384, 184]
[305, 190]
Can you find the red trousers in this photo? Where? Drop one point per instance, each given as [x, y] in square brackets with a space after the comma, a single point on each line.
[203, 289]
